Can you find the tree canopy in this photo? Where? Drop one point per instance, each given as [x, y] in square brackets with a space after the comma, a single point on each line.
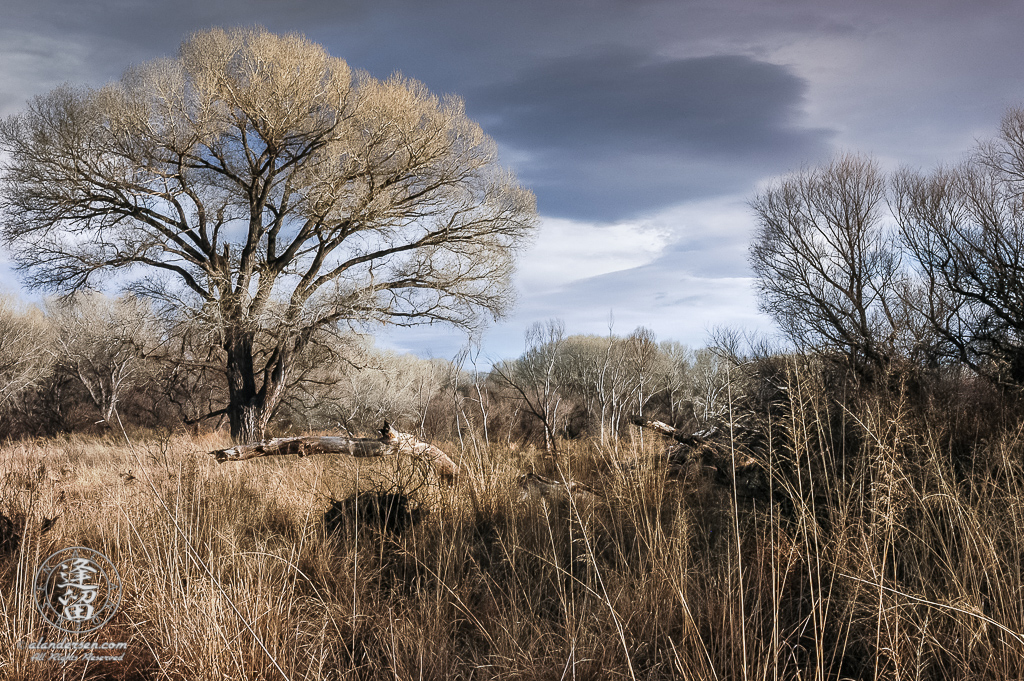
[264, 187]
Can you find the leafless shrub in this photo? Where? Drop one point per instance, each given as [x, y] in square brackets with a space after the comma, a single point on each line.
[347, 382]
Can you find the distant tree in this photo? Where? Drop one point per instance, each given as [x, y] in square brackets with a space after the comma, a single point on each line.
[102, 342]
[827, 266]
[595, 383]
[615, 385]
[24, 344]
[257, 184]
[646, 364]
[478, 388]
[582, 366]
[534, 379]
[964, 228]
[678, 380]
[709, 384]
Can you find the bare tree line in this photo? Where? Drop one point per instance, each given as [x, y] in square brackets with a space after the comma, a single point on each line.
[908, 270]
[911, 269]
[269, 202]
[594, 385]
[88, 361]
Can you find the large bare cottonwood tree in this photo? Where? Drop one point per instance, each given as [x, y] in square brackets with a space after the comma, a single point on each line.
[260, 184]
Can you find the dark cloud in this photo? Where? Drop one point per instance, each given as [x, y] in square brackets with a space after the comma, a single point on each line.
[633, 101]
[605, 131]
[609, 135]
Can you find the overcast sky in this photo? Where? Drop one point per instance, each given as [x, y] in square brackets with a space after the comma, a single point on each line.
[642, 126]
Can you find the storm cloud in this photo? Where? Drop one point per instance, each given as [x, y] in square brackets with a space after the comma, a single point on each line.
[610, 135]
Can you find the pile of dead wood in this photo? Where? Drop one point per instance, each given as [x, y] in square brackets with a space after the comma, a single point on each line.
[728, 456]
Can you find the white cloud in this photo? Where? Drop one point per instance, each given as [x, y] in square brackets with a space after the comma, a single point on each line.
[680, 272]
[710, 234]
[567, 251]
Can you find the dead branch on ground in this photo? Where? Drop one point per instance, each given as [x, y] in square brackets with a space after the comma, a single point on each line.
[389, 442]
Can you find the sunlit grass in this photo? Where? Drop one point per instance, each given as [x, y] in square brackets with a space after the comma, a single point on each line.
[895, 564]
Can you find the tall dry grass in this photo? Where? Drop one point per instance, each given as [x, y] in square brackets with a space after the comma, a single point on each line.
[891, 550]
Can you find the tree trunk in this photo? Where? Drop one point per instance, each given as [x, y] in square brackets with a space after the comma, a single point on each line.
[549, 440]
[248, 411]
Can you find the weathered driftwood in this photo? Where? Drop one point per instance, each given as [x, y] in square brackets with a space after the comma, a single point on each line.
[403, 443]
[389, 442]
[699, 437]
[658, 426]
[303, 446]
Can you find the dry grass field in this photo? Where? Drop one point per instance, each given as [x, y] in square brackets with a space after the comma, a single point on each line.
[898, 564]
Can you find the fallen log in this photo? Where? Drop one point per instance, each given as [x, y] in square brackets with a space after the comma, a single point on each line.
[658, 427]
[303, 446]
[403, 443]
[680, 436]
[390, 442]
